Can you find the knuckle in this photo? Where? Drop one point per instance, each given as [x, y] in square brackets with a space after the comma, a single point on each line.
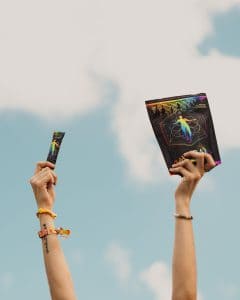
[191, 177]
[193, 152]
[185, 162]
[46, 170]
[49, 176]
[207, 158]
[188, 164]
[49, 173]
[197, 176]
[180, 169]
[36, 183]
[31, 181]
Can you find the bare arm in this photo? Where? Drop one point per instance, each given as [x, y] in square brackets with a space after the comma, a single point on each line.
[184, 270]
[184, 267]
[59, 277]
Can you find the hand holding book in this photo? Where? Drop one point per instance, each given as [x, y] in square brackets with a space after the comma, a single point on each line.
[191, 173]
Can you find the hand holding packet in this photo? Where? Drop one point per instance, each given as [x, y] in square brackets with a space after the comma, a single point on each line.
[181, 124]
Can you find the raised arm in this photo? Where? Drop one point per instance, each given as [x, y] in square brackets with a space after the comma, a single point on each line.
[59, 277]
[184, 266]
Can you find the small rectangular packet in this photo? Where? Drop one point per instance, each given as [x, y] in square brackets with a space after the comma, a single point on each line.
[181, 124]
[55, 146]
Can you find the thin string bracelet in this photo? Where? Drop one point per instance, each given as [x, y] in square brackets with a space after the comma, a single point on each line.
[180, 216]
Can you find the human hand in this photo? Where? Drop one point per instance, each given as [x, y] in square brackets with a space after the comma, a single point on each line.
[191, 173]
[42, 183]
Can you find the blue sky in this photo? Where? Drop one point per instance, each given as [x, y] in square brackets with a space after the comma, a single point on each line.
[114, 216]
[226, 29]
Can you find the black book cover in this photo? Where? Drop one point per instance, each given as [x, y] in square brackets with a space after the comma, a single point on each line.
[181, 124]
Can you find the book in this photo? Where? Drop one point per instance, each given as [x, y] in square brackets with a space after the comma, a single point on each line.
[181, 124]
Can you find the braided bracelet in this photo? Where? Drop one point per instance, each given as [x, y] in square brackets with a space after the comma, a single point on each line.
[46, 211]
[46, 231]
[183, 216]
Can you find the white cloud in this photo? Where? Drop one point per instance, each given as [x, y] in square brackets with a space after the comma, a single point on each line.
[218, 5]
[158, 279]
[54, 53]
[119, 260]
[46, 57]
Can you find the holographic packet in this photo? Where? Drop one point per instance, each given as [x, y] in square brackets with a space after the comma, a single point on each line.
[55, 146]
[181, 124]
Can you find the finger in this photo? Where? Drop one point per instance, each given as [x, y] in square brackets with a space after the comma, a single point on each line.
[43, 164]
[50, 171]
[193, 154]
[188, 176]
[33, 180]
[55, 177]
[199, 157]
[46, 179]
[210, 163]
[180, 170]
[41, 179]
[186, 163]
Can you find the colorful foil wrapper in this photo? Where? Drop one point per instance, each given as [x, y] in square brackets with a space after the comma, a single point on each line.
[55, 146]
[181, 124]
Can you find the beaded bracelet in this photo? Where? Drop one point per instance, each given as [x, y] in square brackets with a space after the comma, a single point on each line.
[46, 211]
[183, 216]
[46, 231]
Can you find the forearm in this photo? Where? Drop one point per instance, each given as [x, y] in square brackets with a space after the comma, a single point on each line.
[59, 277]
[184, 259]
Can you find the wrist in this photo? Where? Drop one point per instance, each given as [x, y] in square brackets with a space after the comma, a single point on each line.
[47, 220]
[44, 206]
[182, 206]
[45, 217]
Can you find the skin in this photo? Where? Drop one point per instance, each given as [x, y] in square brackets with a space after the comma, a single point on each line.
[184, 267]
[184, 272]
[58, 274]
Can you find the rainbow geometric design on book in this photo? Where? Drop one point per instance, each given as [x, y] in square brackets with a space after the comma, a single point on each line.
[181, 124]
